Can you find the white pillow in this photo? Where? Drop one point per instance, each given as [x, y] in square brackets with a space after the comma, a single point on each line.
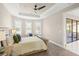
[10, 41]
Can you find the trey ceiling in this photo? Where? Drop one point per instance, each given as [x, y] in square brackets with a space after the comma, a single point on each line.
[29, 7]
[26, 10]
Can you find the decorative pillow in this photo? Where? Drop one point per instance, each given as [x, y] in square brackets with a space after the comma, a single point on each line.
[30, 34]
[10, 41]
[19, 37]
[16, 38]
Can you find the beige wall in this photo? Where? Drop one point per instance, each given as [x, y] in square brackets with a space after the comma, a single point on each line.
[53, 28]
[5, 17]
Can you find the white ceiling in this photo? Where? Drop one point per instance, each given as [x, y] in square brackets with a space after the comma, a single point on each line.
[74, 12]
[29, 7]
[26, 10]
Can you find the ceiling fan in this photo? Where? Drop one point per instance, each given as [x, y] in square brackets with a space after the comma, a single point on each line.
[35, 14]
[39, 8]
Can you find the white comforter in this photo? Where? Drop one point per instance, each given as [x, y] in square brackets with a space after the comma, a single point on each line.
[28, 45]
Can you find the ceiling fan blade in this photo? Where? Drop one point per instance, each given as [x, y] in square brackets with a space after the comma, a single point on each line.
[41, 7]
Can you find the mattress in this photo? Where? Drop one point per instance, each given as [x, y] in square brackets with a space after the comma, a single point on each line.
[28, 45]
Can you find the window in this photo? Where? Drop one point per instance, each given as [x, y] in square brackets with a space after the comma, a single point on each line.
[17, 26]
[28, 27]
[72, 30]
[38, 28]
[69, 30]
[77, 30]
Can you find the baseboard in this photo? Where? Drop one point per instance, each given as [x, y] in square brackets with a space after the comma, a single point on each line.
[63, 47]
[56, 43]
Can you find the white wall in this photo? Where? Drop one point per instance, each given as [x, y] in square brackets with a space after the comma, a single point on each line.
[53, 28]
[5, 17]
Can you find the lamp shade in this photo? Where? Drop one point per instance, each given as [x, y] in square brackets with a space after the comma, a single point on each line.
[2, 36]
[13, 31]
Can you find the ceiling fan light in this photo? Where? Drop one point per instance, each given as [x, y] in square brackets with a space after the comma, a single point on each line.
[35, 9]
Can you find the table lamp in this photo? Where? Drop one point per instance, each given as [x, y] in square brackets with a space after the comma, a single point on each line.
[13, 31]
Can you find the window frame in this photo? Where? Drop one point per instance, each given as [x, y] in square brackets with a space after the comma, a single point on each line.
[72, 28]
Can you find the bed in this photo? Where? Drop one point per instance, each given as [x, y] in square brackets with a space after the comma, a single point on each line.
[28, 46]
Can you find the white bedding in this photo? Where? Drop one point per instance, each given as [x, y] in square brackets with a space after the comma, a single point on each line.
[28, 45]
